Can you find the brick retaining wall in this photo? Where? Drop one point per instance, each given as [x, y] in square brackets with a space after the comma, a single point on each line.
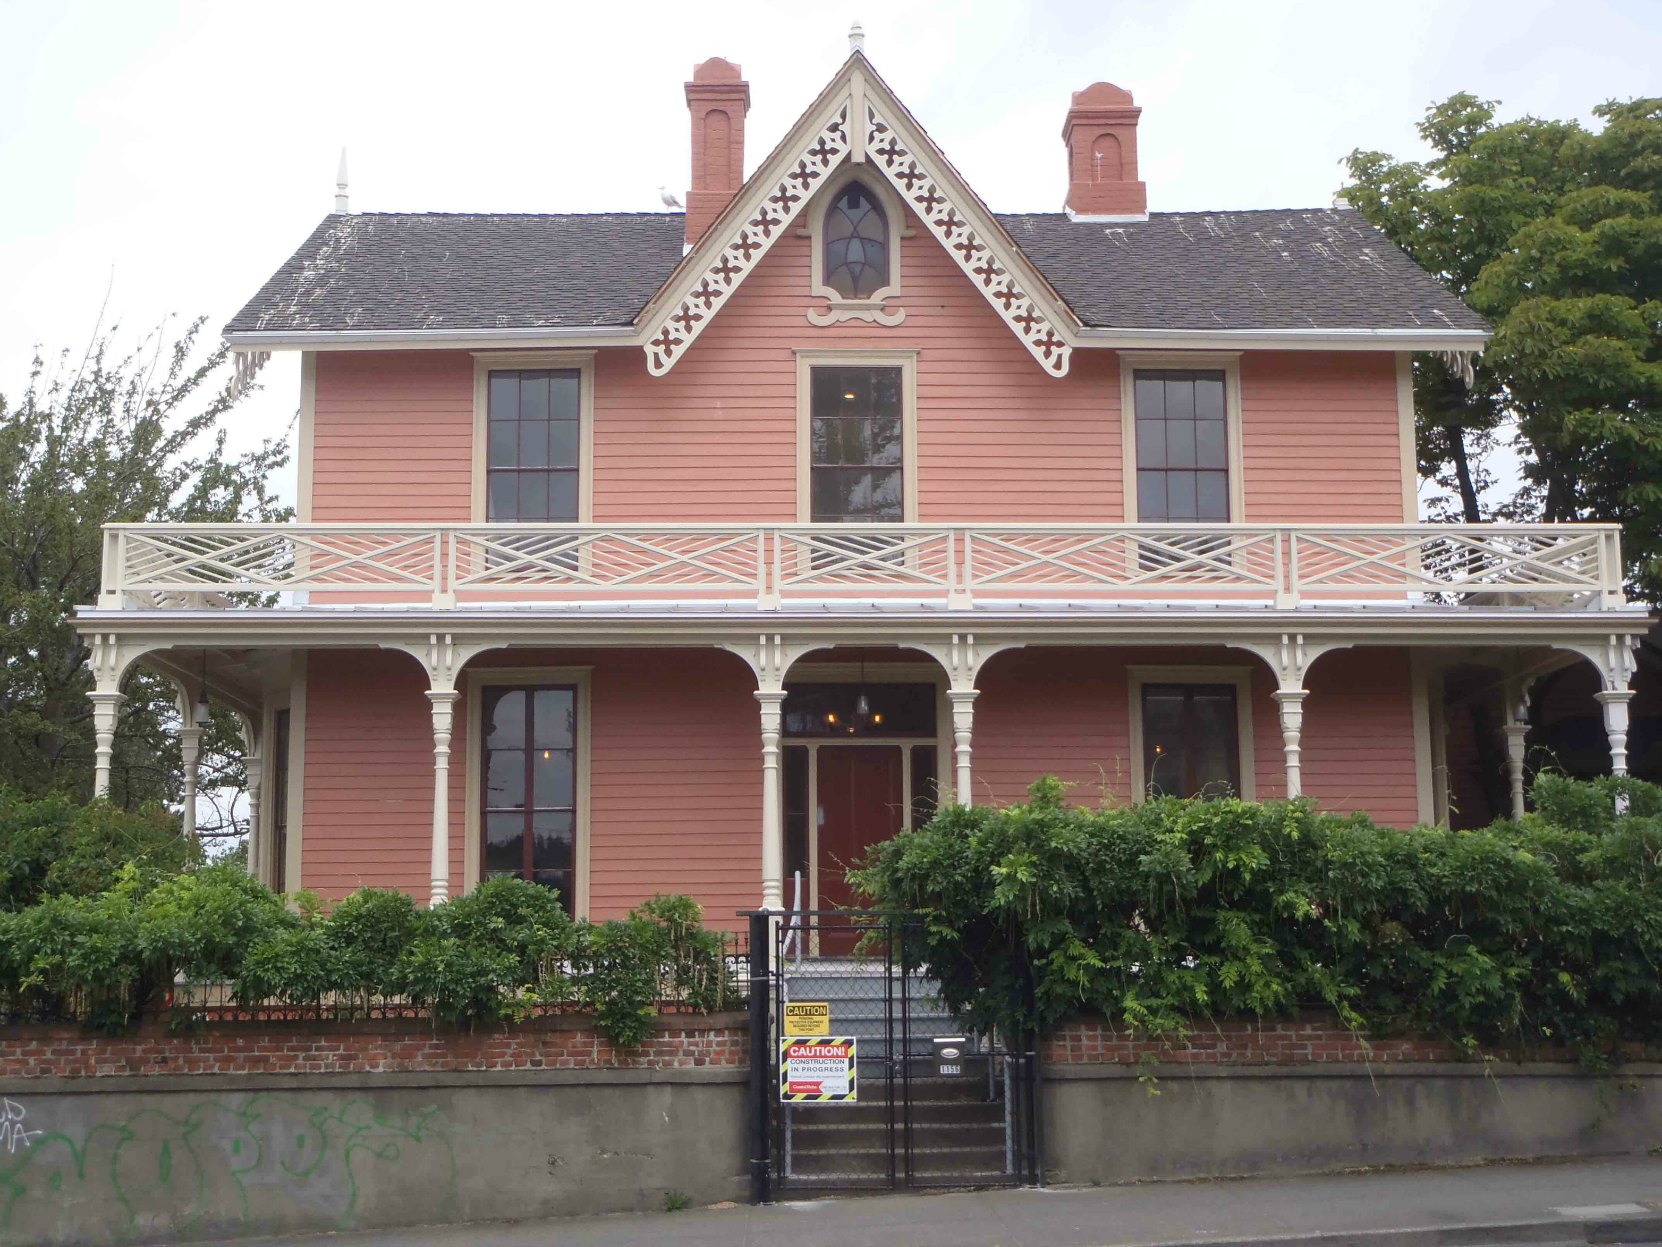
[404, 1045]
[1298, 1041]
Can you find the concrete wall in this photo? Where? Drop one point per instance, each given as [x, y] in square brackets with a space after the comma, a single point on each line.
[167, 1159]
[1110, 1123]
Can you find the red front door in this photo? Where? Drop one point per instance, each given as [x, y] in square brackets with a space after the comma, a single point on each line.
[861, 801]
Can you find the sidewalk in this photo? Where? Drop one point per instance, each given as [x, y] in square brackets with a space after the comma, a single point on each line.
[1520, 1203]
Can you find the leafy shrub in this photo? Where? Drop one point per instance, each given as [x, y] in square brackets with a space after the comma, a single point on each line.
[367, 932]
[106, 957]
[1175, 911]
[50, 846]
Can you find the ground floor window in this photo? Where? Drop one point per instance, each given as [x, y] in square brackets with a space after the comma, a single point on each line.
[529, 769]
[1191, 740]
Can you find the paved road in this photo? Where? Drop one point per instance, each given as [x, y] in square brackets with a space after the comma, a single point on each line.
[1456, 1202]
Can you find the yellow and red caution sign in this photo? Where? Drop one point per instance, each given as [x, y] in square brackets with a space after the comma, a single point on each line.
[818, 1071]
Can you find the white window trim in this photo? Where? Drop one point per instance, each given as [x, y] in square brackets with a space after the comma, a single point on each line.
[486, 362]
[894, 213]
[1240, 677]
[809, 359]
[477, 682]
[1229, 362]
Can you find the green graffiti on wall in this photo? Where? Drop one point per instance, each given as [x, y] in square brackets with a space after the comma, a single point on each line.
[258, 1161]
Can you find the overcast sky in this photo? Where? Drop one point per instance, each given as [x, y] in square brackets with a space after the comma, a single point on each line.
[176, 153]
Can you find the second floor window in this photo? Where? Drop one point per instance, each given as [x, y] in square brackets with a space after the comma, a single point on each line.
[533, 445]
[1182, 446]
[855, 445]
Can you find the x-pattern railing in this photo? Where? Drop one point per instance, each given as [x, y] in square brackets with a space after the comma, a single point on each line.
[774, 565]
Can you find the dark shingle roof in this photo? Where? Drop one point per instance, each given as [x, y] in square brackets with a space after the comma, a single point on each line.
[1294, 269]
[431, 270]
[1317, 268]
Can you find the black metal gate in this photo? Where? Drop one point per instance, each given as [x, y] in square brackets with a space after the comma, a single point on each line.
[860, 1077]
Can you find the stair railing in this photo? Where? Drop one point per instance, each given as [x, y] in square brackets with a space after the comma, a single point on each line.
[793, 934]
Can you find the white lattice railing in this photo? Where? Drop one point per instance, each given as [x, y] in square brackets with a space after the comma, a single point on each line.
[774, 565]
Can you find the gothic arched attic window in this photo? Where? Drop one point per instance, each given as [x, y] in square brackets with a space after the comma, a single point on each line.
[856, 244]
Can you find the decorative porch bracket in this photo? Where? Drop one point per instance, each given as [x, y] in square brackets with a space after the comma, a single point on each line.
[443, 658]
[1291, 658]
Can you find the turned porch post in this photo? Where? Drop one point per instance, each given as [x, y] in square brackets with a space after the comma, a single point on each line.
[443, 701]
[106, 704]
[1290, 703]
[253, 765]
[963, 739]
[1516, 728]
[772, 700]
[190, 756]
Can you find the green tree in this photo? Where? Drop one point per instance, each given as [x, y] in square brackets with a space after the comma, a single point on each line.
[113, 436]
[1554, 232]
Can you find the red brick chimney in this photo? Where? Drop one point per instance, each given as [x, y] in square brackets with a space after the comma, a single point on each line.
[718, 99]
[1101, 134]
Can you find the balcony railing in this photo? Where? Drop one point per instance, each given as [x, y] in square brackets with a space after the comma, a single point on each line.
[771, 566]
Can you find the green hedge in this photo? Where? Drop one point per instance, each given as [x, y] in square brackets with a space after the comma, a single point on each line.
[500, 951]
[51, 846]
[1167, 914]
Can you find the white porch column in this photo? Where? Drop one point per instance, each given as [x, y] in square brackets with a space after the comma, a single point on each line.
[1516, 728]
[1615, 703]
[106, 703]
[963, 733]
[190, 756]
[771, 698]
[443, 702]
[253, 765]
[1290, 702]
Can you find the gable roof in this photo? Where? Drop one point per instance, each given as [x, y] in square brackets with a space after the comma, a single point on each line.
[1054, 280]
[437, 271]
[1224, 271]
[1311, 268]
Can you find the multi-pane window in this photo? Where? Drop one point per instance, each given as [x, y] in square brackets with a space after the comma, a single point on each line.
[1191, 740]
[855, 445]
[530, 780]
[532, 445]
[1182, 446]
[856, 244]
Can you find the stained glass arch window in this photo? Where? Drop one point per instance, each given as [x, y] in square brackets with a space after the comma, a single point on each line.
[856, 243]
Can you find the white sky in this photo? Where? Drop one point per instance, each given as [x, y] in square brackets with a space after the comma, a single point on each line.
[176, 153]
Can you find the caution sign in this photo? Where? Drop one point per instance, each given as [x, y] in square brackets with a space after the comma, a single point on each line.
[817, 1071]
[807, 1018]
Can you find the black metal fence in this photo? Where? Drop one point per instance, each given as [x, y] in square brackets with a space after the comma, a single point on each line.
[862, 1078]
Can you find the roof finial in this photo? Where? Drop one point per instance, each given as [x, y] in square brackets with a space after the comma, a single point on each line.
[856, 37]
[340, 185]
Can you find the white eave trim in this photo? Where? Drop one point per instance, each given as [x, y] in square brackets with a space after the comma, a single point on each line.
[434, 339]
[1286, 339]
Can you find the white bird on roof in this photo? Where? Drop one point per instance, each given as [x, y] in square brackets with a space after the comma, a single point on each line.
[670, 201]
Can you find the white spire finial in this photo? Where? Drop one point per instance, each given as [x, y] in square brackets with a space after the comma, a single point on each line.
[340, 184]
[856, 37]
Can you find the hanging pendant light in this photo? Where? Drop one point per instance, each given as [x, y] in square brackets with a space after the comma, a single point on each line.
[862, 704]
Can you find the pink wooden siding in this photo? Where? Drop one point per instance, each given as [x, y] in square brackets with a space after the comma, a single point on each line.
[1358, 742]
[368, 813]
[1320, 438]
[392, 436]
[998, 440]
[675, 801]
[1067, 711]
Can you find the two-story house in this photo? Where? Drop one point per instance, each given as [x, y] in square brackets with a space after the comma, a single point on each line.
[696, 551]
